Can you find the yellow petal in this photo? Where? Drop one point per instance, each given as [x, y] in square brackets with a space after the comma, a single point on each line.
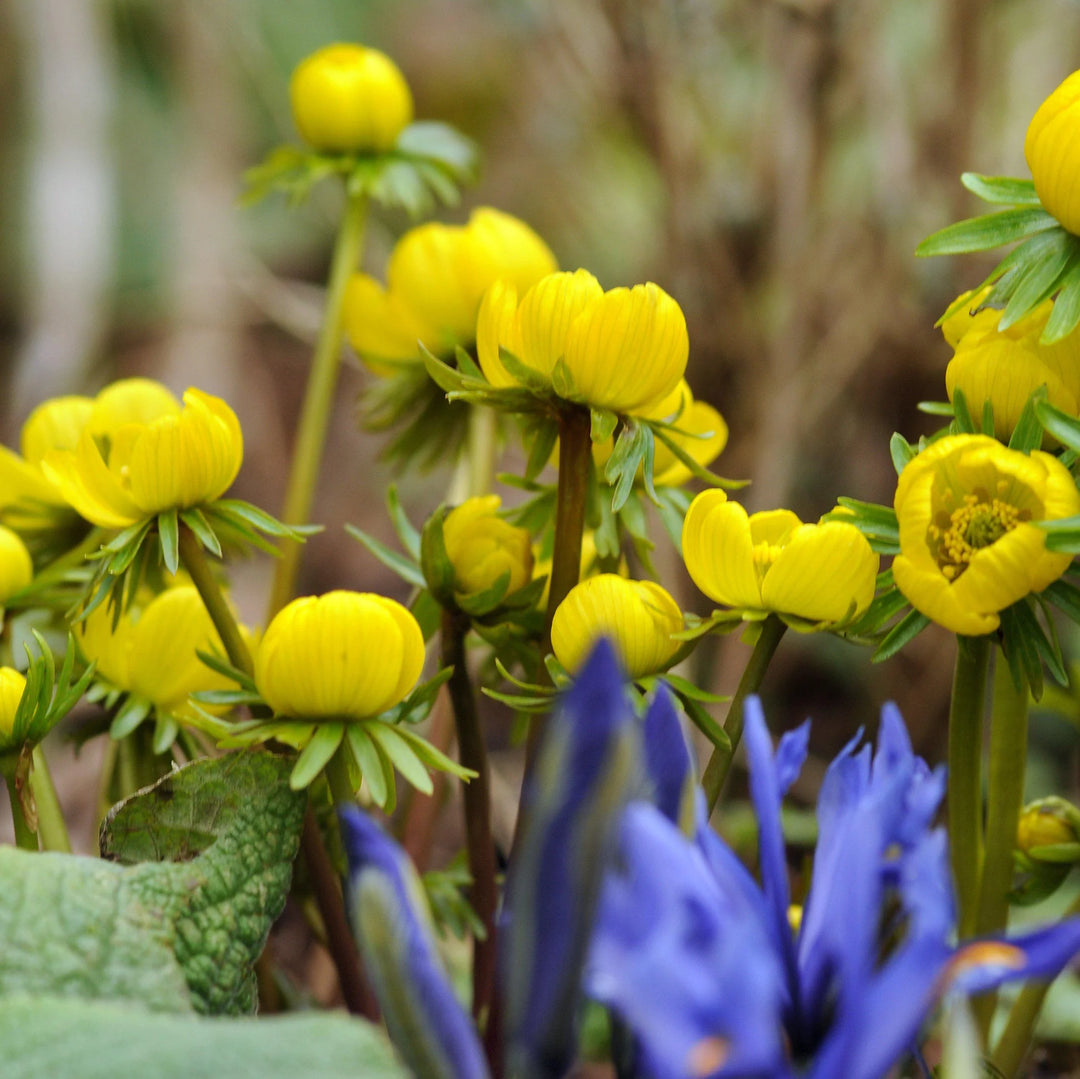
[16, 568]
[84, 480]
[1052, 154]
[54, 425]
[381, 327]
[130, 400]
[12, 684]
[501, 246]
[497, 325]
[547, 312]
[482, 546]
[628, 349]
[718, 550]
[698, 419]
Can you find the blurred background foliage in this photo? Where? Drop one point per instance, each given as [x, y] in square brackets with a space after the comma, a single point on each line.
[771, 163]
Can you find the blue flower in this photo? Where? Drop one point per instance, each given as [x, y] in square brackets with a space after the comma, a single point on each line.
[705, 969]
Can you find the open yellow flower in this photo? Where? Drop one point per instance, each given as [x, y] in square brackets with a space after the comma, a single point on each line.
[482, 546]
[435, 279]
[771, 561]
[638, 617]
[29, 500]
[179, 459]
[342, 655]
[1005, 367]
[968, 545]
[152, 651]
[348, 98]
[12, 684]
[1052, 150]
[625, 349]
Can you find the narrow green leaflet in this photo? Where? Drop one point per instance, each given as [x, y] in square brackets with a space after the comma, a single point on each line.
[78, 1039]
[908, 628]
[402, 565]
[1003, 190]
[986, 232]
[1066, 314]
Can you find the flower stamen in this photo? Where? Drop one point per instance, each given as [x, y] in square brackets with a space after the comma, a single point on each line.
[980, 522]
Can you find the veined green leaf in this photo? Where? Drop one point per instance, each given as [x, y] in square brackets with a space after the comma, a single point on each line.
[1065, 316]
[402, 755]
[1002, 190]
[1041, 276]
[907, 629]
[986, 232]
[404, 567]
[316, 754]
[367, 759]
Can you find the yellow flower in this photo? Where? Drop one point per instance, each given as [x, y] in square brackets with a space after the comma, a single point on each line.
[969, 546]
[1005, 367]
[639, 618]
[16, 569]
[343, 655]
[12, 684]
[625, 349]
[177, 460]
[30, 500]
[435, 279]
[348, 98]
[1052, 150]
[1046, 823]
[152, 651]
[482, 546]
[773, 562]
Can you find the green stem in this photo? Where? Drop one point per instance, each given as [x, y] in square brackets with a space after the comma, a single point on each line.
[477, 806]
[51, 826]
[716, 771]
[480, 449]
[318, 399]
[1005, 798]
[965, 775]
[202, 576]
[337, 776]
[25, 836]
[1013, 1044]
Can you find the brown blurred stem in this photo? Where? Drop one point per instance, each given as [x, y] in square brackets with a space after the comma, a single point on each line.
[202, 576]
[476, 796]
[339, 941]
[716, 771]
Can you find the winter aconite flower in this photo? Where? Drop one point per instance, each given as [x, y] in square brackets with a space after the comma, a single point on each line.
[969, 545]
[773, 562]
[12, 684]
[176, 459]
[638, 617]
[1052, 150]
[483, 547]
[29, 499]
[16, 569]
[623, 350]
[342, 655]
[1004, 367]
[435, 280]
[349, 98]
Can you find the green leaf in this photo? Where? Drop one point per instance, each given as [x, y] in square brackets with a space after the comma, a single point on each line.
[77, 1039]
[133, 712]
[901, 451]
[1065, 597]
[1065, 428]
[907, 629]
[986, 232]
[216, 840]
[367, 760]
[399, 752]
[1028, 433]
[404, 567]
[169, 536]
[1040, 277]
[1065, 316]
[1002, 190]
[603, 422]
[529, 377]
[198, 524]
[316, 754]
[442, 143]
[407, 532]
[963, 423]
[544, 436]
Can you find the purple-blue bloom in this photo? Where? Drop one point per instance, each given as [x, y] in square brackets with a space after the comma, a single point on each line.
[704, 968]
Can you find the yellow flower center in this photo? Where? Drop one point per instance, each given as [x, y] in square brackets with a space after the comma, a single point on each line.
[764, 555]
[980, 522]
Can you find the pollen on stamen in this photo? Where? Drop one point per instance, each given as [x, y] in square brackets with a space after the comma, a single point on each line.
[707, 1056]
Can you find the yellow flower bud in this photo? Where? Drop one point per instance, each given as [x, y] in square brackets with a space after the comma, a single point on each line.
[625, 349]
[16, 568]
[638, 617]
[969, 547]
[343, 655]
[1005, 367]
[349, 98]
[12, 684]
[771, 561]
[179, 459]
[1046, 823]
[152, 651]
[435, 279]
[1052, 150]
[482, 546]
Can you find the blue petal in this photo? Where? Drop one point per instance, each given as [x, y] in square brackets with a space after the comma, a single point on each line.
[985, 964]
[578, 788]
[671, 945]
[668, 766]
[427, 1024]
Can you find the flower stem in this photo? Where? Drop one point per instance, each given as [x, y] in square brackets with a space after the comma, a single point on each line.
[318, 399]
[716, 771]
[965, 775]
[1013, 1044]
[196, 563]
[51, 827]
[1005, 797]
[25, 837]
[477, 805]
[355, 991]
[337, 776]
